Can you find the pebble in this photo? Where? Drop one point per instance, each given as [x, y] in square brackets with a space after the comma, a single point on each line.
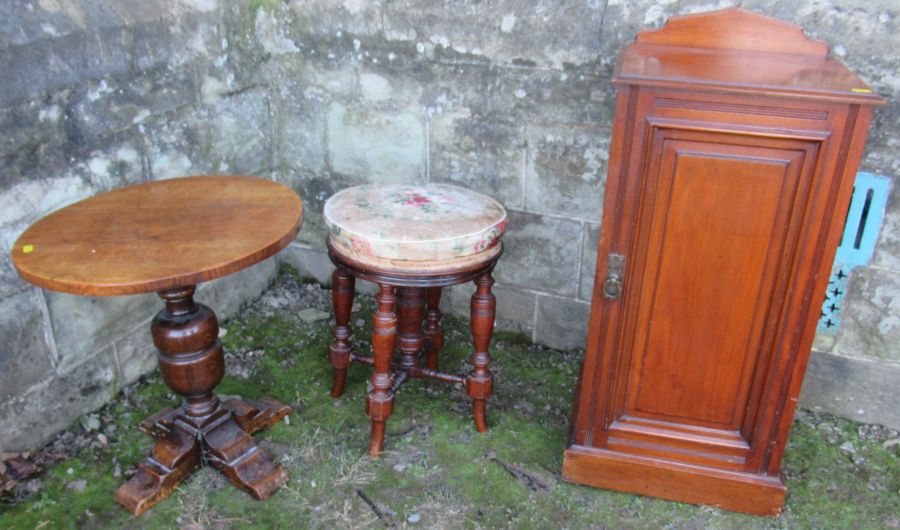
[312, 315]
[77, 485]
[91, 422]
[848, 447]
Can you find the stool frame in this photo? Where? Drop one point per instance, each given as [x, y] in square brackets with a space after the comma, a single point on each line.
[407, 320]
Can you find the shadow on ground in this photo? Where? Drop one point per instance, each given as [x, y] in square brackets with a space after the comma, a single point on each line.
[437, 471]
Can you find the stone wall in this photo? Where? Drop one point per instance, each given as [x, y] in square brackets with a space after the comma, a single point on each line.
[97, 95]
[510, 98]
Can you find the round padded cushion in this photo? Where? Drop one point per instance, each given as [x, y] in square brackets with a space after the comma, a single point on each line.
[431, 222]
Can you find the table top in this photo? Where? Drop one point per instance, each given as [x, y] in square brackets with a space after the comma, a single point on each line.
[159, 235]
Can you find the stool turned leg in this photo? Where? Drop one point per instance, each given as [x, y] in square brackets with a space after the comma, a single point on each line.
[433, 329]
[410, 314]
[380, 402]
[343, 284]
[479, 381]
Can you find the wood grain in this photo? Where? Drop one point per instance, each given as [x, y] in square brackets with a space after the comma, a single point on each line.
[754, 494]
[159, 235]
[722, 50]
[734, 29]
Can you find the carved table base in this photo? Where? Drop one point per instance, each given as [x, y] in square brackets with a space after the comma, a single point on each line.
[202, 430]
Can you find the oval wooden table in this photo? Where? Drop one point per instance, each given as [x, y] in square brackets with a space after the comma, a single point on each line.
[168, 236]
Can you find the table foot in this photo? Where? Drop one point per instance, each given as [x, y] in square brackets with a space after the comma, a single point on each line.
[170, 462]
[224, 440]
[160, 424]
[254, 416]
[233, 451]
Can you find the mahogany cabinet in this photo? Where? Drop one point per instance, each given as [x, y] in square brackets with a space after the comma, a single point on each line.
[735, 145]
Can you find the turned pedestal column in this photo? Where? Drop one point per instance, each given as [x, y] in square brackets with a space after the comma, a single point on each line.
[203, 429]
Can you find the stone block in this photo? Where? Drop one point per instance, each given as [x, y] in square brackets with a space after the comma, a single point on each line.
[541, 253]
[880, 154]
[176, 39]
[27, 122]
[36, 180]
[314, 190]
[515, 307]
[135, 354]
[40, 179]
[310, 262]
[301, 130]
[83, 325]
[461, 90]
[25, 358]
[589, 261]
[379, 146]
[179, 145]
[328, 18]
[853, 387]
[566, 172]
[623, 19]
[57, 62]
[314, 79]
[870, 325]
[887, 250]
[241, 127]
[55, 19]
[226, 295]
[272, 32]
[561, 323]
[20, 27]
[32, 418]
[507, 32]
[584, 95]
[479, 154]
[852, 33]
[117, 162]
[10, 282]
[98, 110]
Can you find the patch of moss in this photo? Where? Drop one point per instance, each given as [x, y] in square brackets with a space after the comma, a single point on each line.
[267, 5]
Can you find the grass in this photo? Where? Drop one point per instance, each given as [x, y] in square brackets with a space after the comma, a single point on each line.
[437, 471]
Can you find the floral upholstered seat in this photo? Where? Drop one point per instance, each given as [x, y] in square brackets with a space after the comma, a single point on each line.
[424, 224]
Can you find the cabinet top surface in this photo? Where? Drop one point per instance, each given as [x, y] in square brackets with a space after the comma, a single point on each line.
[158, 235]
[740, 51]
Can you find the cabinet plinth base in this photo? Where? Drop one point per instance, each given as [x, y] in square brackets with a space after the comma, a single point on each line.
[750, 493]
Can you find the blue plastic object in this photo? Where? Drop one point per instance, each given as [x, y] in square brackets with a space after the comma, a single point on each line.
[864, 219]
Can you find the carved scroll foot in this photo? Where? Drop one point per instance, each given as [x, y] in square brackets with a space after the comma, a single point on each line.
[170, 462]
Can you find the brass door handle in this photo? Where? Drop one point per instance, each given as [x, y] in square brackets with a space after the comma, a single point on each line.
[612, 287]
[615, 268]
